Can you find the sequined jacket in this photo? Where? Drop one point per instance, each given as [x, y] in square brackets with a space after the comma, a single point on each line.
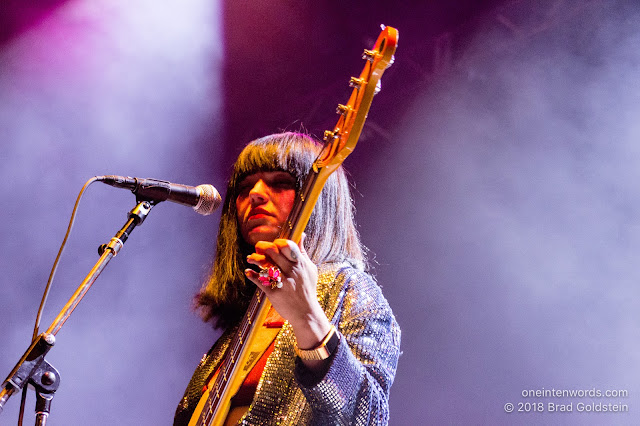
[354, 390]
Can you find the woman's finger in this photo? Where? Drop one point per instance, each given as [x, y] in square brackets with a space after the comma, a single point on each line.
[258, 259]
[254, 277]
[290, 250]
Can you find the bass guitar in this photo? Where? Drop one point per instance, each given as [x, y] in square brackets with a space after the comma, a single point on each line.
[214, 405]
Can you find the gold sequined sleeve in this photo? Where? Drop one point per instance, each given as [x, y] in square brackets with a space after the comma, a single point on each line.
[355, 389]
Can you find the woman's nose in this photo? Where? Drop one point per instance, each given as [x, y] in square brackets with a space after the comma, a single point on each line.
[260, 192]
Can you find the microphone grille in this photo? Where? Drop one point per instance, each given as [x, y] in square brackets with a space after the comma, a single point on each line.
[209, 200]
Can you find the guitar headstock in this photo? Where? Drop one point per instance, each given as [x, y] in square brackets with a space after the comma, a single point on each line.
[340, 141]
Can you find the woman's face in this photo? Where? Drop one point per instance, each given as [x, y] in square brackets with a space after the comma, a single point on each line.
[263, 204]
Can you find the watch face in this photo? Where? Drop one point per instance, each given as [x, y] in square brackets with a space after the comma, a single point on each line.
[332, 344]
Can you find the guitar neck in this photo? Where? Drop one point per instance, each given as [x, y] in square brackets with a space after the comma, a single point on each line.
[303, 206]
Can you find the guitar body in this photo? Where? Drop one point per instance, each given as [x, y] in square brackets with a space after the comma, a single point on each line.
[213, 407]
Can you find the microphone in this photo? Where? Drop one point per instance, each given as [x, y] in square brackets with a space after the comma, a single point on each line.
[203, 198]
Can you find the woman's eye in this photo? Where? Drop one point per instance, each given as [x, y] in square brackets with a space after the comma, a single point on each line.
[284, 183]
[244, 188]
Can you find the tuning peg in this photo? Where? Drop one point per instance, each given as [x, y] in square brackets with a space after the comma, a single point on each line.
[342, 109]
[356, 82]
[328, 134]
[369, 55]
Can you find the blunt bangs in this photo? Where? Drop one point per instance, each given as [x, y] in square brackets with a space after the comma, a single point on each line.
[293, 153]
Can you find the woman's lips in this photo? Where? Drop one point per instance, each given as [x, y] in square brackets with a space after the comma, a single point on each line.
[258, 216]
[258, 213]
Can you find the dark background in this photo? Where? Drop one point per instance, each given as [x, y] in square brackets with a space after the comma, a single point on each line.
[495, 184]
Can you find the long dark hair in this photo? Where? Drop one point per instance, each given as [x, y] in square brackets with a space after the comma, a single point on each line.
[331, 234]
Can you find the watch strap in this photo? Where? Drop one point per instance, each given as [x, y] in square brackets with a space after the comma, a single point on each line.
[323, 350]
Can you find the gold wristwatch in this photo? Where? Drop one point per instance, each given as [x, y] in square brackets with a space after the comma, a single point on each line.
[323, 350]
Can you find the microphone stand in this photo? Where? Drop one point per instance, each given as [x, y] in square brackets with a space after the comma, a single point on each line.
[32, 368]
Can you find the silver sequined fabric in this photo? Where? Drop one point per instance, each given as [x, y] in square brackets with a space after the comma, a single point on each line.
[355, 389]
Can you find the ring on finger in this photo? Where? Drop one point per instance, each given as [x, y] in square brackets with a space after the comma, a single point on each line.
[271, 277]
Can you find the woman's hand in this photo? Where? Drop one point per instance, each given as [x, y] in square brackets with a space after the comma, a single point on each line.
[297, 299]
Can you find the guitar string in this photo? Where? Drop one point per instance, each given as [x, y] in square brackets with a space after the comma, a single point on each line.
[233, 354]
